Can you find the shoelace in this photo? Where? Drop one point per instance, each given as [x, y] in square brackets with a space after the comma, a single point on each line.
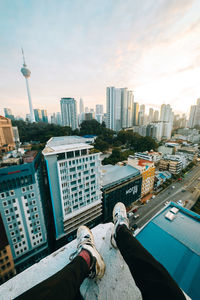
[86, 241]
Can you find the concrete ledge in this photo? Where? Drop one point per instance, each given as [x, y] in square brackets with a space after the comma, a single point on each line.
[117, 282]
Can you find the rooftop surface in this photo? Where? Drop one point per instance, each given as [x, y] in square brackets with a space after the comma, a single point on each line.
[176, 244]
[113, 174]
[61, 143]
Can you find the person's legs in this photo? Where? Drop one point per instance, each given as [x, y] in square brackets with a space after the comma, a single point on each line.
[150, 276]
[86, 262]
[64, 284]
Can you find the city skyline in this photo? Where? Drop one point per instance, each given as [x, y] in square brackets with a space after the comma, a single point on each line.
[153, 51]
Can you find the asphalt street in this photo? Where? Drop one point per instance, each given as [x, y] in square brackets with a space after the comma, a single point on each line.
[186, 189]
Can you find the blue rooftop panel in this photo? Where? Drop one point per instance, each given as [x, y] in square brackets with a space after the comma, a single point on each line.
[176, 244]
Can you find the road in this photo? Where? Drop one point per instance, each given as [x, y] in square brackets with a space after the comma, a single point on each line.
[188, 189]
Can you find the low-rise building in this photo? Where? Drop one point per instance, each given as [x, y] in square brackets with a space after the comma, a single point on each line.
[150, 156]
[172, 163]
[119, 183]
[147, 169]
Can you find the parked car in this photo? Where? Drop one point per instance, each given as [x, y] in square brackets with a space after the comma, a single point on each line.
[136, 216]
[173, 187]
[180, 202]
[134, 227]
[153, 196]
[166, 203]
[129, 214]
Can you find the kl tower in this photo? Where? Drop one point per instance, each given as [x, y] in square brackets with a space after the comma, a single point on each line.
[26, 73]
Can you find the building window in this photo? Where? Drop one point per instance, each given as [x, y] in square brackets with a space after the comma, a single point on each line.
[2, 195]
[5, 203]
[6, 212]
[61, 156]
[8, 219]
[23, 189]
[70, 154]
[12, 193]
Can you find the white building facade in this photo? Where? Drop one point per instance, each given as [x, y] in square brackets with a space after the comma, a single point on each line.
[74, 179]
[69, 112]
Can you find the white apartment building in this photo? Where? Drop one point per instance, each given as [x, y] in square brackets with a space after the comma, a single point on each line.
[74, 179]
[69, 112]
[119, 108]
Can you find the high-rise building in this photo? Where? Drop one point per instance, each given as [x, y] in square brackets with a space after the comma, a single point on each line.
[89, 116]
[58, 118]
[26, 73]
[166, 114]
[151, 115]
[156, 116]
[8, 113]
[69, 112]
[119, 108]
[6, 135]
[16, 134]
[44, 115]
[141, 115]
[38, 115]
[74, 179]
[135, 113]
[81, 106]
[99, 109]
[6, 260]
[21, 208]
[194, 118]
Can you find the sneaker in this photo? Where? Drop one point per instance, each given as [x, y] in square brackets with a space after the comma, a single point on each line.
[119, 218]
[85, 241]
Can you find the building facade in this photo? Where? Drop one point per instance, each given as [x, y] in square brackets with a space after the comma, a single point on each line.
[6, 135]
[21, 207]
[119, 182]
[147, 169]
[7, 269]
[119, 105]
[74, 179]
[69, 112]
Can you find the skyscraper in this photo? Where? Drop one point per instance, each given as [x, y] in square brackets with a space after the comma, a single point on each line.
[194, 118]
[38, 115]
[44, 115]
[141, 115]
[119, 106]
[69, 112]
[156, 116]
[81, 106]
[6, 134]
[8, 113]
[135, 113]
[99, 109]
[26, 73]
[151, 115]
[166, 114]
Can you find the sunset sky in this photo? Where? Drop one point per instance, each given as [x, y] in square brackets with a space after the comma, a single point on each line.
[76, 48]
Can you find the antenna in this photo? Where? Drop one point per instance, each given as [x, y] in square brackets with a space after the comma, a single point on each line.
[23, 57]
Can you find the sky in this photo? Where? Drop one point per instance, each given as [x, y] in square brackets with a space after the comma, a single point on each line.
[76, 48]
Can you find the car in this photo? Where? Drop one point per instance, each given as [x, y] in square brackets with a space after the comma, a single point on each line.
[166, 203]
[173, 187]
[180, 202]
[129, 214]
[134, 210]
[136, 216]
[153, 196]
[134, 227]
